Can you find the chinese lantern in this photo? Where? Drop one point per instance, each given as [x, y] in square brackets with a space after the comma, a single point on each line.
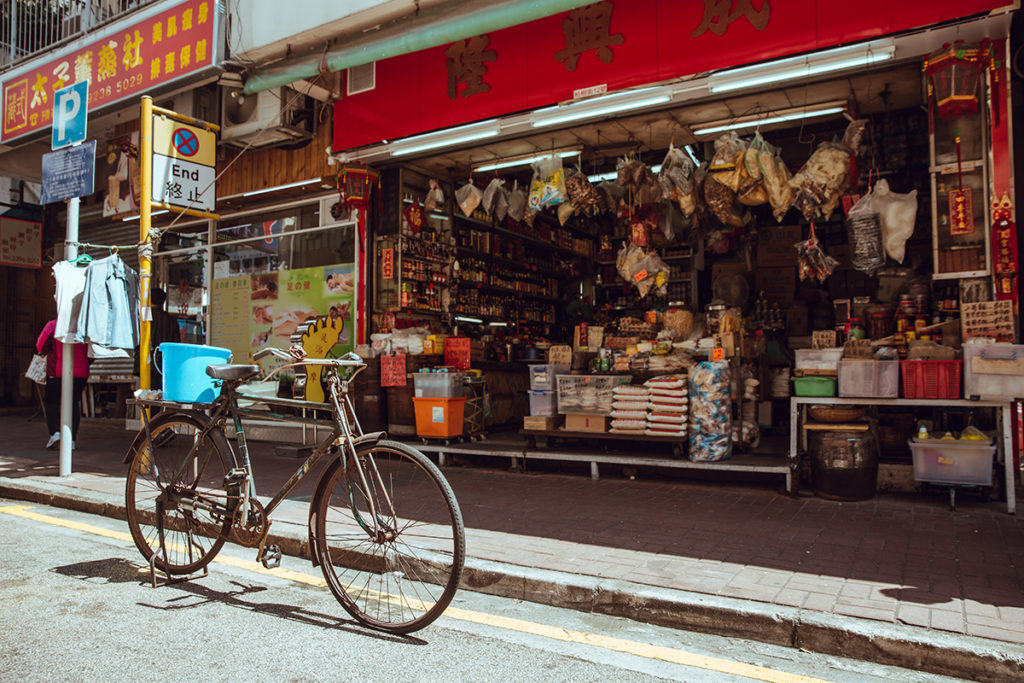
[355, 183]
[954, 78]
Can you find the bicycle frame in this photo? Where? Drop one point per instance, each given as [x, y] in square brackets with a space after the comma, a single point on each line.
[346, 432]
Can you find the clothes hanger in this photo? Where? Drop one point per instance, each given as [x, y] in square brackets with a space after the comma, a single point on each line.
[81, 260]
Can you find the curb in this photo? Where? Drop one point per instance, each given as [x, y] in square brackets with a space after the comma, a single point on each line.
[909, 647]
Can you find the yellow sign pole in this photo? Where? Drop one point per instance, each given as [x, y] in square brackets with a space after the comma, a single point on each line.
[145, 260]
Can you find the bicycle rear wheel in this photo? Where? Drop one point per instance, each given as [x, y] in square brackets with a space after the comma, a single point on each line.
[400, 573]
[178, 507]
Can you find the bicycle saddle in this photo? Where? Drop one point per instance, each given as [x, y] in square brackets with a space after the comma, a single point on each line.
[232, 373]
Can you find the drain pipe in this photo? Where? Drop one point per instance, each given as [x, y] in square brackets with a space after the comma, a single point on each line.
[432, 28]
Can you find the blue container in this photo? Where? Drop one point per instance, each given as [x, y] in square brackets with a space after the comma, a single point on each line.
[184, 369]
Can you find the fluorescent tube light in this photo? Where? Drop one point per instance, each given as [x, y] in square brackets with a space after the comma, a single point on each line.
[801, 67]
[498, 324]
[466, 319]
[600, 106]
[769, 118]
[612, 175]
[446, 138]
[281, 187]
[689, 150]
[526, 159]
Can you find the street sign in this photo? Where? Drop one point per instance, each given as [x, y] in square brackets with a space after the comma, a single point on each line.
[184, 165]
[68, 172]
[70, 114]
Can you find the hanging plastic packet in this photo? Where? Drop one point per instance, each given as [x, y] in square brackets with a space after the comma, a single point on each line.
[491, 194]
[897, 214]
[865, 234]
[517, 203]
[584, 197]
[501, 204]
[812, 260]
[469, 197]
[435, 197]
[548, 185]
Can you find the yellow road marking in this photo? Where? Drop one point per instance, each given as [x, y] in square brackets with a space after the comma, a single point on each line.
[630, 647]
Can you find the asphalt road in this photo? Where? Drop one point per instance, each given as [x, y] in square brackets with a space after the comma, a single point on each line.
[76, 604]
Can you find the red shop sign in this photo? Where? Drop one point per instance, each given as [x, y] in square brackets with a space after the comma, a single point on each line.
[605, 47]
[961, 212]
[129, 60]
[387, 264]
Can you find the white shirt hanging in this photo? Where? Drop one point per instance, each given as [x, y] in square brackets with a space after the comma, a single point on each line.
[70, 285]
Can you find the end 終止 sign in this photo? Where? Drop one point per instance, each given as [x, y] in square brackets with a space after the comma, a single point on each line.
[184, 165]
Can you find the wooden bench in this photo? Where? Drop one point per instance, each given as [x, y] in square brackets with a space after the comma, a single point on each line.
[115, 375]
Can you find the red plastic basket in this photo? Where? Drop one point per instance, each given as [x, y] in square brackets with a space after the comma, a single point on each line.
[932, 378]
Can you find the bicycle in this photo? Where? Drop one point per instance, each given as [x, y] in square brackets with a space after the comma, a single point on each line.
[188, 493]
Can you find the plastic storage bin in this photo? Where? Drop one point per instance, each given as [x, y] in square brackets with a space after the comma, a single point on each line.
[994, 371]
[437, 384]
[543, 403]
[869, 378]
[818, 360]
[588, 394]
[931, 378]
[814, 386]
[183, 367]
[439, 417]
[953, 462]
[542, 377]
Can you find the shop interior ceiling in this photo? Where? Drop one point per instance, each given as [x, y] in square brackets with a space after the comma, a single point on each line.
[650, 133]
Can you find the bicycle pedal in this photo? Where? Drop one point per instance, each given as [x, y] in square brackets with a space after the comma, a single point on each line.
[271, 556]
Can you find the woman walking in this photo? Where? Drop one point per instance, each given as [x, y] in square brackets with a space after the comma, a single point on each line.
[54, 351]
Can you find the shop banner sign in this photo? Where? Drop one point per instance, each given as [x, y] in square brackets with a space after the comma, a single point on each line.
[128, 59]
[457, 353]
[605, 47]
[21, 243]
[68, 173]
[251, 311]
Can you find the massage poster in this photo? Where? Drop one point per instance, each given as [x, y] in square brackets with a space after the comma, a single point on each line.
[250, 312]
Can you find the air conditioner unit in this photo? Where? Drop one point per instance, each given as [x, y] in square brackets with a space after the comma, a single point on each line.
[265, 119]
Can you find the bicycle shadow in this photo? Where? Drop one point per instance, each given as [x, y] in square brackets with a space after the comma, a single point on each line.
[120, 570]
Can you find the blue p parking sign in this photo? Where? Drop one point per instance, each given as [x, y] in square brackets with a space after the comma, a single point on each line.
[70, 112]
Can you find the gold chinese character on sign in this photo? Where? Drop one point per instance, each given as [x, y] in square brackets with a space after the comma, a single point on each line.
[60, 75]
[154, 68]
[719, 14]
[466, 66]
[107, 66]
[83, 67]
[39, 91]
[132, 50]
[588, 28]
[158, 32]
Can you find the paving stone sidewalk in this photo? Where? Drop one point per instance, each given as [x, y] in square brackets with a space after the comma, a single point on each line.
[898, 559]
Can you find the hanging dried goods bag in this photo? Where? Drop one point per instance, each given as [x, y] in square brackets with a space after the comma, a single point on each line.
[813, 262]
[491, 195]
[865, 234]
[516, 203]
[469, 197]
[583, 196]
[548, 185]
[435, 197]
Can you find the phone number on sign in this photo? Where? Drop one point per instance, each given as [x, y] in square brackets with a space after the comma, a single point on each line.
[105, 91]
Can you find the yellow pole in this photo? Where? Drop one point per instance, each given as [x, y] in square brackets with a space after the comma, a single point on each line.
[145, 263]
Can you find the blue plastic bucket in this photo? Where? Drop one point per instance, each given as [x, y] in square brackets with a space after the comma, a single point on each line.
[184, 369]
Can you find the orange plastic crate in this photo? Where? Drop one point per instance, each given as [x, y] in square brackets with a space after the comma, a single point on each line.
[439, 417]
[932, 378]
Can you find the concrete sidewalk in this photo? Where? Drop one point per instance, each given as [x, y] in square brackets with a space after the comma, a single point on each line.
[899, 579]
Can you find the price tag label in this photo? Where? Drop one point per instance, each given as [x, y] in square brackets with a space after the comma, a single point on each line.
[640, 276]
[718, 353]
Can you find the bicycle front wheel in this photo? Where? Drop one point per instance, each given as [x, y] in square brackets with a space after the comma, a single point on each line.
[398, 567]
[178, 507]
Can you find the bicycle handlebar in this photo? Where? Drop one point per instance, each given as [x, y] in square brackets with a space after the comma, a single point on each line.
[350, 359]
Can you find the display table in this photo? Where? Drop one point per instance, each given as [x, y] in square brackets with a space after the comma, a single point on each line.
[1004, 444]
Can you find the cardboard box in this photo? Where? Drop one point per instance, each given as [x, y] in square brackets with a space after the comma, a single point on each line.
[775, 245]
[778, 284]
[575, 422]
[539, 422]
